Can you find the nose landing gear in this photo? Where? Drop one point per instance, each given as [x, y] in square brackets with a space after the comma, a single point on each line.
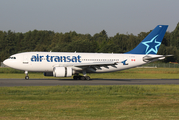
[26, 77]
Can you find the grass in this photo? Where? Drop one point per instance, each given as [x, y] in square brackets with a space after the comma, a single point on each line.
[134, 73]
[149, 102]
[142, 73]
[9, 70]
[124, 102]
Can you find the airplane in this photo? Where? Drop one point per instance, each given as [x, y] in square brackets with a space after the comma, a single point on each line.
[67, 64]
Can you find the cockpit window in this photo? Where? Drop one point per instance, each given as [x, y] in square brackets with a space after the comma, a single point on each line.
[12, 57]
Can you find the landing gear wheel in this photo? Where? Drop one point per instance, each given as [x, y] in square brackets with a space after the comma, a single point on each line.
[82, 78]
[79, 77]
[87, 78]
[26, 77]
[75, 77]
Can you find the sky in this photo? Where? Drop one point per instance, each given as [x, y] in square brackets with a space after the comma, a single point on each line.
[88, 16]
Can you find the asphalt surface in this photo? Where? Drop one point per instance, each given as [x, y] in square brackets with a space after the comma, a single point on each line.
[53, 82]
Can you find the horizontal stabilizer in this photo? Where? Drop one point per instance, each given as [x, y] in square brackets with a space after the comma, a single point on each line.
[152, 58]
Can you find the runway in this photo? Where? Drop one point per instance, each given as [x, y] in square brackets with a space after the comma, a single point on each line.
[53, 82]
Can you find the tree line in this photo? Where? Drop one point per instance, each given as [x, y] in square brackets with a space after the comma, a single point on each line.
[42, 40]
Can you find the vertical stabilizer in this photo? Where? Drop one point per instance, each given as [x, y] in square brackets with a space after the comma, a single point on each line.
[151, 43]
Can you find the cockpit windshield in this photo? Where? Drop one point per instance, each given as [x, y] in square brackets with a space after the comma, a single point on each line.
[12, 57]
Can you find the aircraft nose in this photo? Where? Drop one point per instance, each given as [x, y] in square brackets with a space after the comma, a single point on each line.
[5, 62]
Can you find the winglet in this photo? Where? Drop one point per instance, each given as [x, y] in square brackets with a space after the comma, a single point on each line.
[151, 43]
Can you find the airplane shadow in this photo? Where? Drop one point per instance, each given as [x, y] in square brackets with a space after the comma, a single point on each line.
[93, 79]
[96, 79]
[102, 79]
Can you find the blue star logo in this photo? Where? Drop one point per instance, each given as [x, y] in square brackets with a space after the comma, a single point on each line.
[152, 45]
[124, 62]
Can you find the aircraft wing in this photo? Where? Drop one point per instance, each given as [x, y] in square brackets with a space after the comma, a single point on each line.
[90, 64]
[151, 58]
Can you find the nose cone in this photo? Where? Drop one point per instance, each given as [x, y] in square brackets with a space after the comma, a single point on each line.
[5, 62]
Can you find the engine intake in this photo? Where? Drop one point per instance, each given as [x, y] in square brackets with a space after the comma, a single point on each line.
[62, 71]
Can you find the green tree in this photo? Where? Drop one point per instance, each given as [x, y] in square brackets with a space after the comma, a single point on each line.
[174, 37]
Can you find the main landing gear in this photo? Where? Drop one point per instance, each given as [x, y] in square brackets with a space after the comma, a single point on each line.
[26, 77]
[79, 77]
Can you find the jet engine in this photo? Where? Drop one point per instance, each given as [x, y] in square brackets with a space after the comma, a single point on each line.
[62, 71]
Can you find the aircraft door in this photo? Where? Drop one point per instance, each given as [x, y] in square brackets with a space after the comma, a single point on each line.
[25, 59]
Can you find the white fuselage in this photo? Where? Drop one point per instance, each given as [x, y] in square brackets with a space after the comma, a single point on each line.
[66, 64]
[46, 61]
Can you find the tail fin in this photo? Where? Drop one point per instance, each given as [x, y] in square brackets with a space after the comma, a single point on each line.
[151, 43]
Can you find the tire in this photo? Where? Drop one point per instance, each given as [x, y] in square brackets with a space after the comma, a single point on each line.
[82, 78]
[26, 77]
[87, 78]
[75, 77]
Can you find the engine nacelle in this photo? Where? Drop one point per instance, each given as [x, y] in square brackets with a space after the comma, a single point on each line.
[48, 73]
[62, 71]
